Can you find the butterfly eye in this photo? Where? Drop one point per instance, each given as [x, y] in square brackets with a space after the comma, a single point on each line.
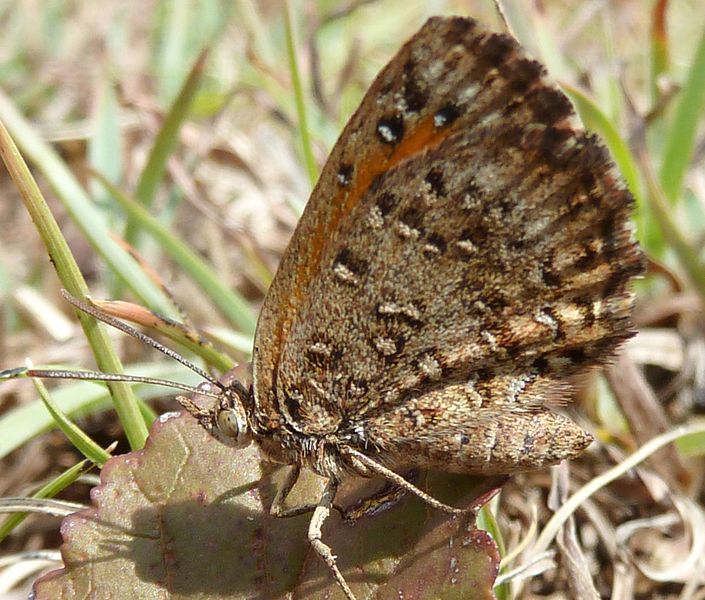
[232, 427]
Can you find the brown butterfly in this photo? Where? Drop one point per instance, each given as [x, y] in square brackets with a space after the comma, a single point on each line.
[466, 251]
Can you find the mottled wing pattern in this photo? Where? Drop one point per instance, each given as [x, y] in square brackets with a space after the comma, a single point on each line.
[474, 252]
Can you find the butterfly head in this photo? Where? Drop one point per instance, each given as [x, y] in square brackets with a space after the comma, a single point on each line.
[227, 421]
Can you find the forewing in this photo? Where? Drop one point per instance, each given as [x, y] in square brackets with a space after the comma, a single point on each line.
[462, 230]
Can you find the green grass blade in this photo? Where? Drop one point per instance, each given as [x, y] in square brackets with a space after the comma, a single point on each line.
[687, 254]
[309, 160]
[81, 440]
[239, 342]
[23, 423]
[232, 305]
[172, 52]
[184, 335]
[164, 144]
[81, 209]
[692, 445]
[487, 522]
[680, 139]
[71, 278]
[659, 55]
[49, 490]
[148, 414]
[105, 151]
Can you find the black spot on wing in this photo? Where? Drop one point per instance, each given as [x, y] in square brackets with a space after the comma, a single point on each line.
[390, 130]
[445, 115]
[345, 174]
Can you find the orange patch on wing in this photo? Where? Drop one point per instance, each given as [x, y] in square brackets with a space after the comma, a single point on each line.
[425, 136]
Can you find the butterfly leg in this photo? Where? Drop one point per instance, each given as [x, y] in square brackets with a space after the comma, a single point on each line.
[277, 508]
[390, 495]
[366, 465]
[321, 513]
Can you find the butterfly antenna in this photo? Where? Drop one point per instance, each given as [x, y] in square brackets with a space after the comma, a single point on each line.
[99, 376]
[142, 337]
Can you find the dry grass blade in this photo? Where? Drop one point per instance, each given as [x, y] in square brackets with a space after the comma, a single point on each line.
[572, 556]
[679, 557]
[551, 529]
[646, 417]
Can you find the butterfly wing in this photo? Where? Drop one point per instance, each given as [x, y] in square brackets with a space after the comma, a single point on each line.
[466, 249]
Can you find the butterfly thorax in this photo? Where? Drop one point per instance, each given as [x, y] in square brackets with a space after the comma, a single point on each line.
[280, 442]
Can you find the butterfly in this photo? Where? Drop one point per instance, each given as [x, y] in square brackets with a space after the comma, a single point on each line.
[466, 252]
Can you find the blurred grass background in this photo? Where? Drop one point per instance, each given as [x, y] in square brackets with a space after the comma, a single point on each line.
[203, 168]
